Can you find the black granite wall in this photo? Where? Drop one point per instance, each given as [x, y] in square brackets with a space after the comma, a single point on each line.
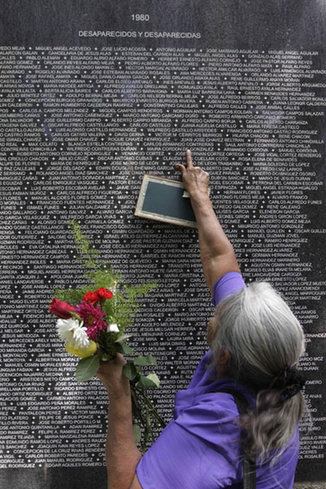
[94, 95]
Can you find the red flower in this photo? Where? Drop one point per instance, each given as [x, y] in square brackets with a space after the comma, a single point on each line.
[104, 293]
[97, 296]
[61, 309]
[90, 297]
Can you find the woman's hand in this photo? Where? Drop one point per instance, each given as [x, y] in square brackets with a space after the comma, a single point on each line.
[111, 375]
[194, 178]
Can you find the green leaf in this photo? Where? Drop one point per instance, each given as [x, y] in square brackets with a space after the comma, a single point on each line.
[106, 357]
[148, 382]
[142, 361]
[129, 370]
[154, 378]
[137, 433]
[123, 337]
[71, 296]
[87, 368]
[126, 349]
[118, 348]
[86, 253]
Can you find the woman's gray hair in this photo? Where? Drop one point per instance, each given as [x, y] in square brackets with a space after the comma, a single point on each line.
[263, 336]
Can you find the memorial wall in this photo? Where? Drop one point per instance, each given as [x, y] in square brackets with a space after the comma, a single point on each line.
[92, 97]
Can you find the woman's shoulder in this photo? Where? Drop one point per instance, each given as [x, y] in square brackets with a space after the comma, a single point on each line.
[211, 408]
[229, 283]
[205, 371]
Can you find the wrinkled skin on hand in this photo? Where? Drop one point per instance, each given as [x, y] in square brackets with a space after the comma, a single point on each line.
[111, 375]
[194, 178]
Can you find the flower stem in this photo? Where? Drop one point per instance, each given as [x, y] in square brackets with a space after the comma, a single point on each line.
[151, 408]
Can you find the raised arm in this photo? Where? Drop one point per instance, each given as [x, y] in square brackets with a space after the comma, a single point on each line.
[216, 252]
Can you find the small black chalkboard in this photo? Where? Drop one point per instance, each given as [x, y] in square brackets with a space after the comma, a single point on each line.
[165, 200]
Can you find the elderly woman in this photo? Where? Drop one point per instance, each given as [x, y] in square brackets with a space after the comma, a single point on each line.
[256, 343]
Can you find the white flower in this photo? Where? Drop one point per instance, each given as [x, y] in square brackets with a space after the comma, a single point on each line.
[112, 328]
[73, 332]
[81, 339]
[66, 327]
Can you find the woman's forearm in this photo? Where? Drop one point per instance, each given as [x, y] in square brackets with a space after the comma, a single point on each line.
[121, 452]
[212, 239]
[216, 251]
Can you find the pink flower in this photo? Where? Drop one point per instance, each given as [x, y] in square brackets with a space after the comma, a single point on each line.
[93, 319]
[61, 309]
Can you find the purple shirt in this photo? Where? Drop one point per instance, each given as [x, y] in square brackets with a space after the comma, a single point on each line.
[199, 448]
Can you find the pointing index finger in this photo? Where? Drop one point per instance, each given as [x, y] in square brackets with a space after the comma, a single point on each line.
[189, 159]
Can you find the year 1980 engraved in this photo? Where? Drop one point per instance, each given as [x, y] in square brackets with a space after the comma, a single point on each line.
[140, 17]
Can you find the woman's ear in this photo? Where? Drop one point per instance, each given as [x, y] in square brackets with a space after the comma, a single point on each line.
[223, 364]
[224, 358]
[211, 331]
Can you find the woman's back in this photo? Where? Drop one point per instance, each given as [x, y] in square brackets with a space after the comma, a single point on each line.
[200, 448]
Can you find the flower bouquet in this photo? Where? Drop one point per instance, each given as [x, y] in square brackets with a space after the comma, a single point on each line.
[92, 321]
